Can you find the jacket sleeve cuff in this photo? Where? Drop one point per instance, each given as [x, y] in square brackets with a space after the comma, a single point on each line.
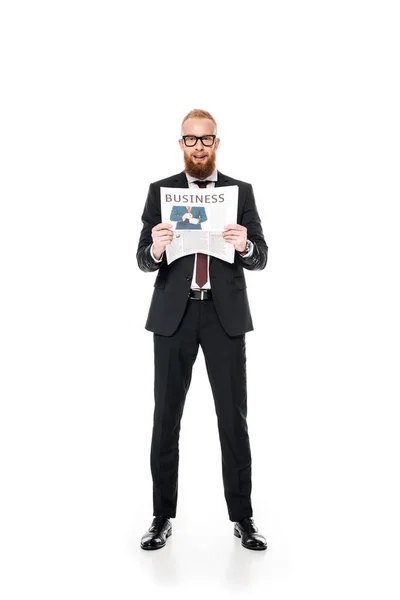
[152, 255]
[249, 252]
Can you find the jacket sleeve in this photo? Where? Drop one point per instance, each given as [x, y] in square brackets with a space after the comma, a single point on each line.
[150, 218]
[251, 220]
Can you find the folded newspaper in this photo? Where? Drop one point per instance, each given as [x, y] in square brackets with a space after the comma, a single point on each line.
[198, 216]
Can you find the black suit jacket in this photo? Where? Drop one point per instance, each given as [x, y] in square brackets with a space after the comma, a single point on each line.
[228, 284]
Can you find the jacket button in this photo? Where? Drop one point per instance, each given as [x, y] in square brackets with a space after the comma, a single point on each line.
[188, 278]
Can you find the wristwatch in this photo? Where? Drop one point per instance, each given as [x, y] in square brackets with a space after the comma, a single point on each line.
[245, 251]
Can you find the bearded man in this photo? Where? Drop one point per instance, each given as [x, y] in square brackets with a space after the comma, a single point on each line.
[201, 300]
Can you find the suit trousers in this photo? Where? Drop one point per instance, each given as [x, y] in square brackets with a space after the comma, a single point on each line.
[225, 359]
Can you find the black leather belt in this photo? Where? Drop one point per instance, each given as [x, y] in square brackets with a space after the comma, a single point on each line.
[200, 294]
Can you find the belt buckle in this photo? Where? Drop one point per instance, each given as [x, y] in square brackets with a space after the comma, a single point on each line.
[201, 294]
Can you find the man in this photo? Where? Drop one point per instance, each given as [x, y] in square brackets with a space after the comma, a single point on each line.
[201, 300]
[188, 217]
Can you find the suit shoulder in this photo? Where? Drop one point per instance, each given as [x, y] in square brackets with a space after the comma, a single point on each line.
[233, 181]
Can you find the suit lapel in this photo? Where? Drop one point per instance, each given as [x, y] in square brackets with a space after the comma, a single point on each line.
[222, 180]
[180, 180]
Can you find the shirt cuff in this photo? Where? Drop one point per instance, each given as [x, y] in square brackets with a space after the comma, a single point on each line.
[152, 255]
[250, 252]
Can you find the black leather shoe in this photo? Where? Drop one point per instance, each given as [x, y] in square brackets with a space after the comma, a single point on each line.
[251, 539]
[157, 534]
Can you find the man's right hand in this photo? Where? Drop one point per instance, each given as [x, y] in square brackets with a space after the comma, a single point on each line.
[161, 235]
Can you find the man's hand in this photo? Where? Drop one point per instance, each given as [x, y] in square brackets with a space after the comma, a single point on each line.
[161, 235]
[236, 235]
[187, 217]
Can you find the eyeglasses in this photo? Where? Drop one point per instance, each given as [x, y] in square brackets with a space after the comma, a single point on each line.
[191, 140]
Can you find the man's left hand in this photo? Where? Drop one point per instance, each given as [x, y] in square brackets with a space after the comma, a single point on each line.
[236, 235]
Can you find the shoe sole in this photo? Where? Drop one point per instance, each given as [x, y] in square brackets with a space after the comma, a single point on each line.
[237, 534]
[157, 547]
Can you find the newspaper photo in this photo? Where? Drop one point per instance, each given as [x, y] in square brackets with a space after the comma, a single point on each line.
[198, 216]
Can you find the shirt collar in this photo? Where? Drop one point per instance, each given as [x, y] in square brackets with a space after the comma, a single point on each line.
[212, 177]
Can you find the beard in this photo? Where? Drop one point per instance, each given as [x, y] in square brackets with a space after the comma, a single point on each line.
[200, 171]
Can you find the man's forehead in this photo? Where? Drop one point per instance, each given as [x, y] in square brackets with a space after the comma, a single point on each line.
[198, 126]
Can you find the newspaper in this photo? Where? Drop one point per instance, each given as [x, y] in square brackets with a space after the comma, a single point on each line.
[198, 216]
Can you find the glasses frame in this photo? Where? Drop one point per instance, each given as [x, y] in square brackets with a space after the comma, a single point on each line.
[199, 138]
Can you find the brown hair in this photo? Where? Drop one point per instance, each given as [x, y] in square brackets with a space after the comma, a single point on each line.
[197, 113]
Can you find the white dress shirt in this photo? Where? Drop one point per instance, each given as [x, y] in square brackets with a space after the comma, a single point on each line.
[211, 179]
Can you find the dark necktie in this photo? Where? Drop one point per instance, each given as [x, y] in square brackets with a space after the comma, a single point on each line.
[201, 265]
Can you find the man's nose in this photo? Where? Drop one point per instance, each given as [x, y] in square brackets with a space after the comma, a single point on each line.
[199, 145]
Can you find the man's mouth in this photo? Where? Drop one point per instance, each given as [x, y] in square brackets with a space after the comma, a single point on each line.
[199, 156]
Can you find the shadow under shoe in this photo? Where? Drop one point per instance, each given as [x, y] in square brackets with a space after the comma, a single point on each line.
[251, 538]
[157, 534]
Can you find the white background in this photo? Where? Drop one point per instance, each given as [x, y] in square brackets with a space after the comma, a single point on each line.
[306, 95]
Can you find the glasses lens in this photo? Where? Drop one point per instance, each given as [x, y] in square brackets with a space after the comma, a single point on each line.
[190, 140]
[207, 140]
